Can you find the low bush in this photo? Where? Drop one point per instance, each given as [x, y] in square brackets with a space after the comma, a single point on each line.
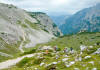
[51, 67]
[49, 54]
[38, 60]
[30, 52]
[23, 62]
[59, 49]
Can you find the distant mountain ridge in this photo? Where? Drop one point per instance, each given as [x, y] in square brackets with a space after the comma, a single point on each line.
[59, 20]
[87, 19]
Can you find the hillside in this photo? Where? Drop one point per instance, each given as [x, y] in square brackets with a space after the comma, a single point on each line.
[87, 19]
[86, 59]
[46, 23]
[19, 30]
[75, 40]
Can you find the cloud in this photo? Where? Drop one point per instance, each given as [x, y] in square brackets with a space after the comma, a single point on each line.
[53, 6]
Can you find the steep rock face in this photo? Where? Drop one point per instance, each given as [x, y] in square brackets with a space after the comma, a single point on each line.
[19, 30]
[87, 19]
[46, 23]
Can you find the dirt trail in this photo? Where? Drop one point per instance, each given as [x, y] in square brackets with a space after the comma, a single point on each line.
[9, 63]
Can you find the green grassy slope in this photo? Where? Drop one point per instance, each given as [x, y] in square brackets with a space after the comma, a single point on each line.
[88, 39]
[10, 49]
[75, 40]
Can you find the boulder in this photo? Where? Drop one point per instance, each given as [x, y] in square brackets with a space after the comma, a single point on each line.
[83, 47]
[87, 57]
[65, 59]
[94, 69]
[71, 63]
[76, 69]
[42, 64]
[91, 62]
[54, 62]
[46, 47]
[97, 52]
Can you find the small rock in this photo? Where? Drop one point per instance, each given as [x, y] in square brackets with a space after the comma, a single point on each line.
[73, 62]
[76, 69]
[76, 59]
[66, 56]
[94, 69]
[92, 62]
[72, 52]
[65, 59]
[83, 47]
[97, 52]
[36, 68]
[68, 65]
[80, 58]
[83, 65]
[46, 47]
[81, 53]
[90, 46]
[57, 56]
[59, 61]
[87, 57]
[87, 68]
[42, 64]
[54, 63]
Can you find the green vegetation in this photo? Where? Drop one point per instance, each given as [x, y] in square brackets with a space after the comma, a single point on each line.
[35, 62]
[3, 58]
[12, 49]
[57, 34]
[88, 39]
[54, 25]
[35, 13]
[9, 7]
[23, 62]
[23, 25]
[29, 51]
[32, 25]
[45, 30]
[75, 40]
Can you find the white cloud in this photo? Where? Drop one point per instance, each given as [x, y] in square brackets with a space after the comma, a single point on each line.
[53, 6]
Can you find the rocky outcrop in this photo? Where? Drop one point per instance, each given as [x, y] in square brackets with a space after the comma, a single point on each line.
[45, 22]
[19, 30]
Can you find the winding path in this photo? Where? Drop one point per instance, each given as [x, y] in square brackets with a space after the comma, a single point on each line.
[9, 63]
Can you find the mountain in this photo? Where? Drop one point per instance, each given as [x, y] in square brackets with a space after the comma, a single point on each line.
[20, 30]
[46, 23]
[87, 19]
[59, 20]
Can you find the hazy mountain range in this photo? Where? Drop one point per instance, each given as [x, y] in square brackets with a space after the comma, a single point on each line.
[59, 20]
[87, 19]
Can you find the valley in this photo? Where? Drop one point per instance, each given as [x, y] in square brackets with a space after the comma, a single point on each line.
[40, 60]
[36, 41]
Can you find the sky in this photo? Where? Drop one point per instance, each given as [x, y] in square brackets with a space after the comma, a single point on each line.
[52, 7]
